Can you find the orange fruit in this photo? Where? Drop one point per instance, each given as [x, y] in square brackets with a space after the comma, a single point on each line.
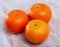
[36, 31]
[16, 21]
[40, 11]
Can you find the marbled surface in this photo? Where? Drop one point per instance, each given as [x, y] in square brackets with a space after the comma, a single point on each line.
[11, 40]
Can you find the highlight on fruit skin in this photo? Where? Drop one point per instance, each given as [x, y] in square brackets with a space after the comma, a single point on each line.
[36, 31]
[40, 11]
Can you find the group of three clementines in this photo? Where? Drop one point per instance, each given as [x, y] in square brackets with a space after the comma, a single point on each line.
[35, 24]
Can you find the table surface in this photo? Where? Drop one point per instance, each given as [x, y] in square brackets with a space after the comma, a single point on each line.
[11, 40]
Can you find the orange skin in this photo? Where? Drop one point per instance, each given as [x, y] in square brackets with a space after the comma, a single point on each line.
[16, 21]
[40, 11]
[36, 31]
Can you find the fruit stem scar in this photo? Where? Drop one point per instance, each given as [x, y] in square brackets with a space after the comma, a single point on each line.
[37, 7]
[35, 24]
[16, 14]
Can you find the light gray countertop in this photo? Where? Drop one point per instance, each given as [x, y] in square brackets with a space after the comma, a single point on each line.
[11, 40]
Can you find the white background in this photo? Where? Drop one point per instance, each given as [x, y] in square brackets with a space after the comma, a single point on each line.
[11, 40]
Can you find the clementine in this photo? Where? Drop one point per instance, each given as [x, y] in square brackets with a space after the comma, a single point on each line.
[16, 21]
[36, 31]
[40, 11]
